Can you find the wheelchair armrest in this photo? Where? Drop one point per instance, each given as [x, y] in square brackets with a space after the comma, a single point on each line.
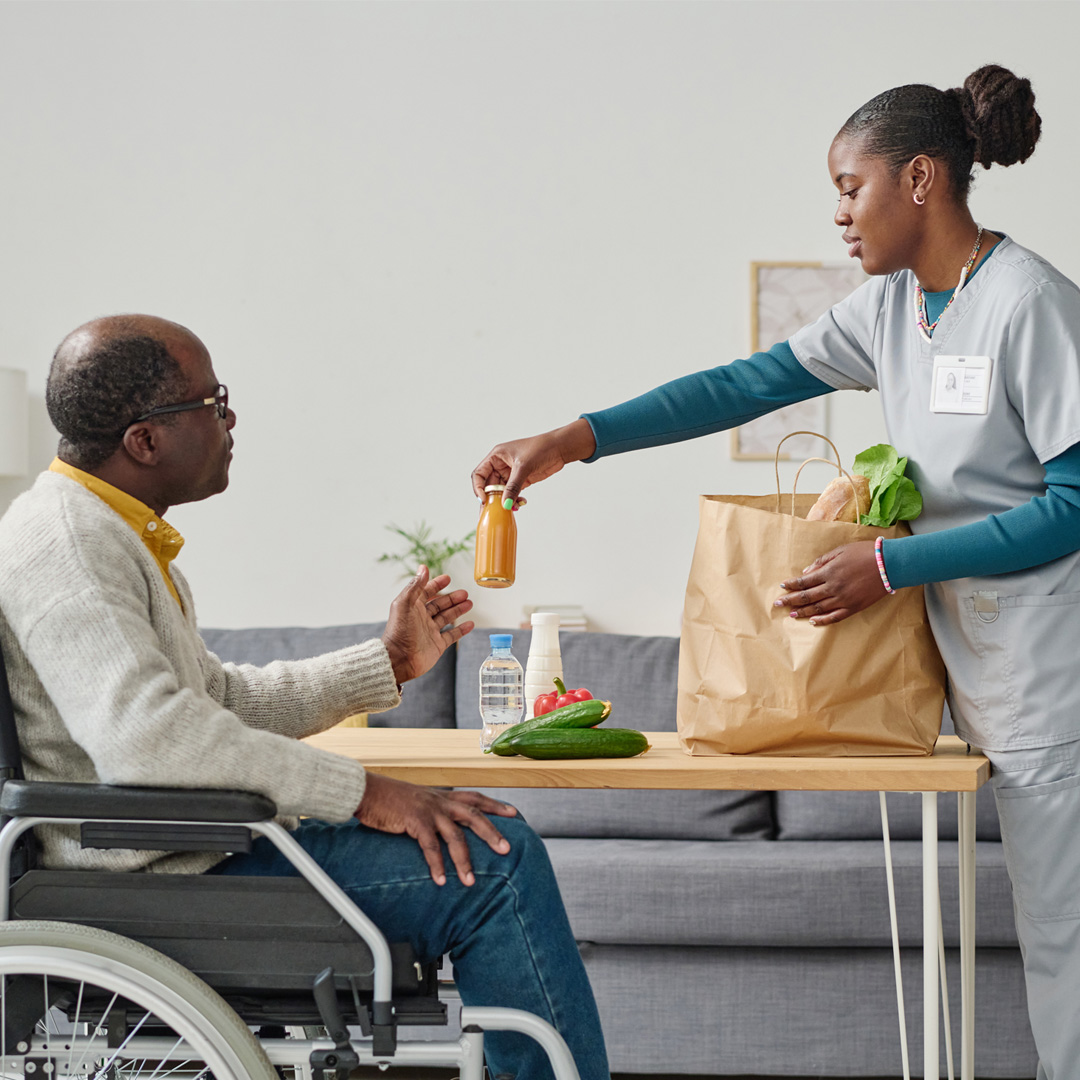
[100, 802]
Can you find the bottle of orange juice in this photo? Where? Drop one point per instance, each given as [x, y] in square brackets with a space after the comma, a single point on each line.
[496, 542]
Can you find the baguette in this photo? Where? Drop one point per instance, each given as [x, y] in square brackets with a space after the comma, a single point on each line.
[837, 502]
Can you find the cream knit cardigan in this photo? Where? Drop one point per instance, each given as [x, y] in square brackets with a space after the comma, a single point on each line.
[112, 684]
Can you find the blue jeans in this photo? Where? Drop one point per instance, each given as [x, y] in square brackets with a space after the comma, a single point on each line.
[507, 934]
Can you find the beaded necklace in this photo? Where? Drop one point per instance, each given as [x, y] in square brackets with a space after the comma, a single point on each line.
[926, 329]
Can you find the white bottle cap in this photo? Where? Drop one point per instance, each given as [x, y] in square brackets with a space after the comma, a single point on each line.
[545, 618]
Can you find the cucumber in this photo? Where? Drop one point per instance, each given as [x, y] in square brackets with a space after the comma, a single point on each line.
[554, 743]
[581, 714]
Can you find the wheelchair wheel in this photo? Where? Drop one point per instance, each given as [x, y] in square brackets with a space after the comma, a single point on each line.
[78, 1001]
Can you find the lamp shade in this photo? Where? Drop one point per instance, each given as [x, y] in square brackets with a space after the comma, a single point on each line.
[14, 423]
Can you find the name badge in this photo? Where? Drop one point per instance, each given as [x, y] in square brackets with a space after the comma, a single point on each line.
[960, 384]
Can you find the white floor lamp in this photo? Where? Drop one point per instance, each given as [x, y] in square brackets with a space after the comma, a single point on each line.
[14, 423]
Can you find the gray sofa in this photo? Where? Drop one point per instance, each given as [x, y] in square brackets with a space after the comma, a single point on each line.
[730, 933]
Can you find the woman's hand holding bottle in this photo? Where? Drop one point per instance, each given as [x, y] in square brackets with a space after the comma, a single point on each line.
[522, 462]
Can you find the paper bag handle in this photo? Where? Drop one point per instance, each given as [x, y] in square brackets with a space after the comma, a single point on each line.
[840, 469]
[776, 462]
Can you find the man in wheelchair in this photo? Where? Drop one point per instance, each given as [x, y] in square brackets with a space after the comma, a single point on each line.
[111, 684]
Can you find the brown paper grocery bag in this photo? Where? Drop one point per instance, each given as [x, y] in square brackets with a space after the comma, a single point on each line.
[754, 680]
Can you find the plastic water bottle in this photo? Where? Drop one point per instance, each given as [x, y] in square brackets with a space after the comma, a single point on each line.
[502, 701]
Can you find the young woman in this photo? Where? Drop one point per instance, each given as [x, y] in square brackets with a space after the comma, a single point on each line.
[974, 344]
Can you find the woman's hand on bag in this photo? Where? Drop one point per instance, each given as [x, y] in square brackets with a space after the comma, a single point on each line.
[523, 462]
[838, 584]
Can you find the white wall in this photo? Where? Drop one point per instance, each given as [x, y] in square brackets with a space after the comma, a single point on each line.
[409, 230]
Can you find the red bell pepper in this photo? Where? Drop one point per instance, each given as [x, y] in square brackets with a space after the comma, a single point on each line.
[568, 697]
[545, 703]
[559, 697]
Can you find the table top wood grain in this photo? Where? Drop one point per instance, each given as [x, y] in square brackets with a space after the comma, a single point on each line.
[453, 758]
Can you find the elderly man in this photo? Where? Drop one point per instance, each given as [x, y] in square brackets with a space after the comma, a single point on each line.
[112, 683]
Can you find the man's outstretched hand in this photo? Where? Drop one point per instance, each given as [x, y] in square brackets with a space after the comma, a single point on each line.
[432, 818]
[420, 626]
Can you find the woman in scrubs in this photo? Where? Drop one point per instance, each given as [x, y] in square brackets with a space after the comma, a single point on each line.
[974, 344]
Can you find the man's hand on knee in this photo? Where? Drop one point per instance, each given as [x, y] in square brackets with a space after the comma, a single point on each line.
[432, 818]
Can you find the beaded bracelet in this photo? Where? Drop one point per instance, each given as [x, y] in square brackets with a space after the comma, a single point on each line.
[881, 565]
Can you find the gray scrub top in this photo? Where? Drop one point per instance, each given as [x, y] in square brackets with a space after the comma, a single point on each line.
[1011, 643]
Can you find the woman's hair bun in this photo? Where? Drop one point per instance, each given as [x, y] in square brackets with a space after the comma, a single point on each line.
[999, 115]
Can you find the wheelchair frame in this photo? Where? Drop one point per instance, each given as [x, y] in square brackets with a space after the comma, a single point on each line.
[182, 819]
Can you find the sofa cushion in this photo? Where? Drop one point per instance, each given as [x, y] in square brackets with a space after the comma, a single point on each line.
[638, 675]
[856, 815]
[768, 892]
[683, 1012]
[642, 815]
[425, 702]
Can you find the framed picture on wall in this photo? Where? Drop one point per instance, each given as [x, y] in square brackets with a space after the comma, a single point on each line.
[785, 296]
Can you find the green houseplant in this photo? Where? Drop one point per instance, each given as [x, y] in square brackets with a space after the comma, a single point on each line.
[422, 550]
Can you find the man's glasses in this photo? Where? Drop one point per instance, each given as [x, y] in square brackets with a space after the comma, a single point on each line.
[220, 400]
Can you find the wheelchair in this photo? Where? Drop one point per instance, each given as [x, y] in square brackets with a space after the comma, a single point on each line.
[114, 976]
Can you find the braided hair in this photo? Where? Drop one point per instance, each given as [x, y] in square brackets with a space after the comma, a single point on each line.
[990, 120]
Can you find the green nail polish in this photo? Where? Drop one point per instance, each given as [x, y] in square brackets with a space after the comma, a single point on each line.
[508, 504]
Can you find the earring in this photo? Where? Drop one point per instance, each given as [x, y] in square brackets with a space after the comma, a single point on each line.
[919, 199]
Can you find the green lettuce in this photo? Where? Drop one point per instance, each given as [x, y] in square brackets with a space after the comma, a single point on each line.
[893, 496]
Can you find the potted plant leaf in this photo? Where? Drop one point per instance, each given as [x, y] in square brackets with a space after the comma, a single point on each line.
[422, 550]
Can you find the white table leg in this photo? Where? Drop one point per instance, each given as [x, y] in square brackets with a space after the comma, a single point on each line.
[893, 926]
[966, 833]
[931, 1049]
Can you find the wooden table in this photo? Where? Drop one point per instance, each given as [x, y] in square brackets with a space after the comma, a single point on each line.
[453, 758]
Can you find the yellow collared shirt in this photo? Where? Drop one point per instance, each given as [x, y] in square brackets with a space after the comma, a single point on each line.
[160, 538]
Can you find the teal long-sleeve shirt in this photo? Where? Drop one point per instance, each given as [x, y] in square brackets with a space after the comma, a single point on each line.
[1043, 529]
